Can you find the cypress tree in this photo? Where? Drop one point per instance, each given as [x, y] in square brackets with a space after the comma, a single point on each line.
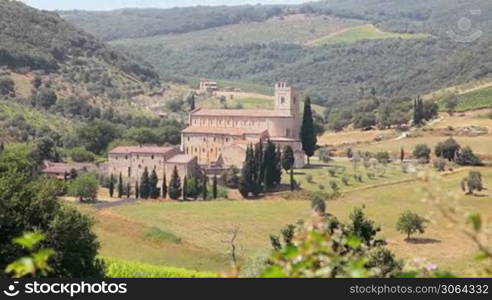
[2, 147]
[185, 188]
[175, 185]
[402, 154]
[137, 190]
[153, 181]
[258, 167]
[164, 186]
[145, 185]
[270, 165]
[205, 189]
[111, 184]
[308, 136]
[247, 179]
[120, 186]
[214, 187]
[288, 159]
[128, 190]
[278, 166]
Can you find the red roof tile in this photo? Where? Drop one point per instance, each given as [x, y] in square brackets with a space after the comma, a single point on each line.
[240, 113]
[142, 149]
[225, 131]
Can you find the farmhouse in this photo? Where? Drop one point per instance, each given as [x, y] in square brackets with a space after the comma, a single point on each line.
[219, 137]
[132, 161]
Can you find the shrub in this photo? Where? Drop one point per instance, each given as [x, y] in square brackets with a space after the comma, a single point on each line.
[80, 154]
[332, 172]
[440, 164]
[345, 180]
[383, 157]
[334, 187]
[230, 177]
[447, 149]
[7, 87]
[318, 205]
[473, 182]
[466, 157]
[309, 178]
[410, 223]
[85, 187]
[422, 153]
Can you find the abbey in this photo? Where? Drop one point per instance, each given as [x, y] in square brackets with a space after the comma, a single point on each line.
[219, 137]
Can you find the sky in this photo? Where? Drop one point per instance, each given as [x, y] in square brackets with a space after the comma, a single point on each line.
[115, 4]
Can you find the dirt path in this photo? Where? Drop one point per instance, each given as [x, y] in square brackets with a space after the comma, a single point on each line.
[314, 42]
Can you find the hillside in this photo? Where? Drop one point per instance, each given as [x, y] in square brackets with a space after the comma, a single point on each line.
[334, 50]
[56, 79]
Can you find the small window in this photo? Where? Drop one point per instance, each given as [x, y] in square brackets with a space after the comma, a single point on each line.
[204, 139]
[152, 157]
[129, 171]
[227, 139]
[282, 100]
[126, 156]
[287, 132]
[294, 100]
[189, 139]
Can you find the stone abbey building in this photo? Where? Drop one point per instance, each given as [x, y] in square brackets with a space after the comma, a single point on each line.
[217, 139]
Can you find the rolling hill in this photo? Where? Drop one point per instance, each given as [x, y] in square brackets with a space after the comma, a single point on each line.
[334, 50]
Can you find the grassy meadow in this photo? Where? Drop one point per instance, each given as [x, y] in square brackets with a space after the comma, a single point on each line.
[363, 32]
[194, 235]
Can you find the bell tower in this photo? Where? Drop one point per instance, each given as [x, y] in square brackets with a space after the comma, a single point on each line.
[287, 99]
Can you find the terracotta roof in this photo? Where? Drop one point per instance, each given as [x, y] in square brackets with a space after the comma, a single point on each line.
[141, 149]
[240, 113]
[181, 159]
[225, 131]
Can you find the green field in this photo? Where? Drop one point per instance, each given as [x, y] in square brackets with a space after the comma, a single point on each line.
[475, 100]
[204, 228]
[364, 32]
[295, 29]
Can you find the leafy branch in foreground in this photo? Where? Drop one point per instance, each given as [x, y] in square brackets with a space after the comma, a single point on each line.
[36, 263]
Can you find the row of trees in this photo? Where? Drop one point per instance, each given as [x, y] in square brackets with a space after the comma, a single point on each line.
[262, 168]
[448, 150]
[147, 187]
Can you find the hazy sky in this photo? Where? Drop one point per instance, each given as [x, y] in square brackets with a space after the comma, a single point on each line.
[114, 4]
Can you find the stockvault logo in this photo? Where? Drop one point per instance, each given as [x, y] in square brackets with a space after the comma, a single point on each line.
[11, 290]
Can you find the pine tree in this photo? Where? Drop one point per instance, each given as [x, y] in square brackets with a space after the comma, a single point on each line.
[205, 189]
[247, 179]
[111, 185]
[145, 185]
[175, 185]
[308, 136]
[185, 188]
[137, 190]
[120, 186]
[153, 181]
[164, 186]
[288, 159]
[214, 187]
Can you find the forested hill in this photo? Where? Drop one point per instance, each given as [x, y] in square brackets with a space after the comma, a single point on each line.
[33, 40]
[336, 50]
[131, 23]
[438, 17]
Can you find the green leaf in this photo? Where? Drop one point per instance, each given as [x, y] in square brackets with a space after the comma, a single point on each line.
[41, 258]
[354, 242]
[21, 267]
[29, 240]
[274, 272]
